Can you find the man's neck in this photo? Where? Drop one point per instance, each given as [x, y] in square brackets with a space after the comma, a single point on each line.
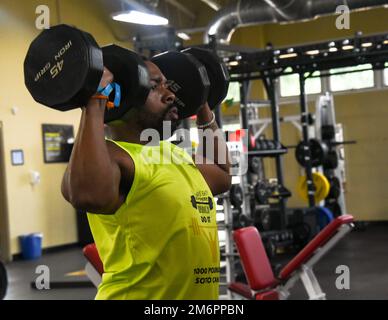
[127, 132]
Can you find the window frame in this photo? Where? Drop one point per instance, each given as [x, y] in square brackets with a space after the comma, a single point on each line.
[378, 77]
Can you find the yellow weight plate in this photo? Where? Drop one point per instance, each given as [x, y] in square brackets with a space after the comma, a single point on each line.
[321, 183]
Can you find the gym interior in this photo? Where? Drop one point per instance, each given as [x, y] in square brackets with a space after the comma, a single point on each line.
[304, 120]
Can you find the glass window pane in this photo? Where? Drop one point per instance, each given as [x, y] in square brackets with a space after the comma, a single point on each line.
[233, 94]
[386, 74]
[289, 85]
[349, 81]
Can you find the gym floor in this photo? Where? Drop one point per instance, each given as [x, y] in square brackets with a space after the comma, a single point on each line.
[363, 251]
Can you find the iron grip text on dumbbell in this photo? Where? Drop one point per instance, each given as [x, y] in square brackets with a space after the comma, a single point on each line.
[54, 70]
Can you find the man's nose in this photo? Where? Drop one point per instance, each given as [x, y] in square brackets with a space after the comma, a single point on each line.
[168, 96]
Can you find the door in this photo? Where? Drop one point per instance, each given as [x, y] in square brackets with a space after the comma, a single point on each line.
[5, 254]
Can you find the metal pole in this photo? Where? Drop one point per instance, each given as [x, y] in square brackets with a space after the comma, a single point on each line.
[305, 135]
[271, 92]
[246, 179]
[243, 105]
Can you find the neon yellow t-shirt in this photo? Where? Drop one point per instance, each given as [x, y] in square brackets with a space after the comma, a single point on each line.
[162, 243]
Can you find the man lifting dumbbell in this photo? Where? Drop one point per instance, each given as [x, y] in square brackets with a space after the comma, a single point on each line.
[153, 223]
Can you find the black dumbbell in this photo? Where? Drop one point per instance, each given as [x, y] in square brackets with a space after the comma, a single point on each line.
[196, 76]
[236, 195]
[262, 192]
[263, 144]
[188, 80]
[217, 72]
[209, 202]
[64, 65]
[271, 145]
[244, 221]
[328, 132]
[254, 164]
[265, 219]
[331, 160]
[335, 188]
[270, 247]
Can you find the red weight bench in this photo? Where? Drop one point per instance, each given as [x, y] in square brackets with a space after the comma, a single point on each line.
[263, 285]
[94, 267]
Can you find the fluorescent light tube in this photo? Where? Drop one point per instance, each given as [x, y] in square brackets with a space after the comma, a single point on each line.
[138, 17]
[183, 36]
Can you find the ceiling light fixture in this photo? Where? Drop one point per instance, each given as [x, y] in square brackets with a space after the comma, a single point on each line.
[183, 36]
[288, 55]
[312, 52]
[138, 17]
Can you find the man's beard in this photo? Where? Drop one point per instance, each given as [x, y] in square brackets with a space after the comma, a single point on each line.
[159, 122]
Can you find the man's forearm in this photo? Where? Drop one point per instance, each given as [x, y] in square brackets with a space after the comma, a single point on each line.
[212, 145]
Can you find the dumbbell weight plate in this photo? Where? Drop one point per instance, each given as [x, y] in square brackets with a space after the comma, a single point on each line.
[261, 193]
[265, 219]
[278, 145]
[331, 160]
[318, 151]
[244, 221]
[263, 144]
[217, 72]
[328, 132]
[334, 207]
[321, 183]
[301, 234]
[270, 248]
[271, 145]
[335, 188]
[236, 195]
[258, 144]
[325, 216]
[63, 67]
[189, 80]
[254, 164]
[236, 212]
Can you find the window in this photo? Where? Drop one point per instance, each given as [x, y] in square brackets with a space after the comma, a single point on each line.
[289, 84]
[354, 80]
[386, 74]
[233, 94]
